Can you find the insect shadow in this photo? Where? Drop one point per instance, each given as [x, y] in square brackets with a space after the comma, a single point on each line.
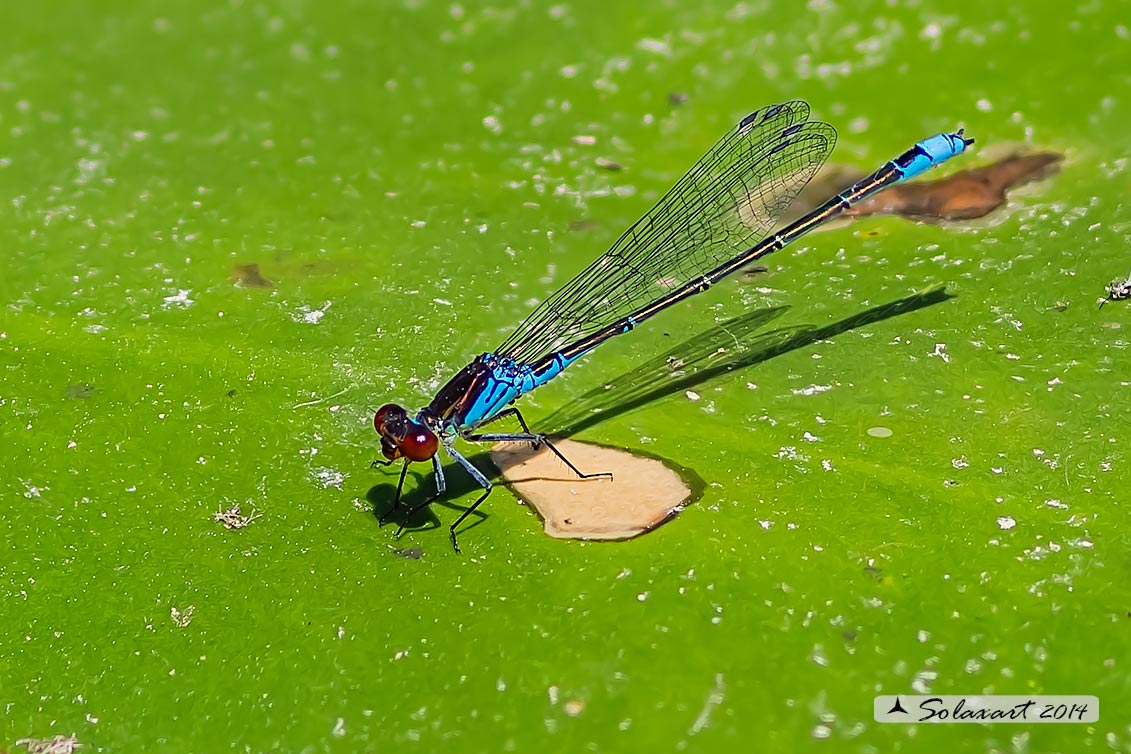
[730, 347]
[460, 485]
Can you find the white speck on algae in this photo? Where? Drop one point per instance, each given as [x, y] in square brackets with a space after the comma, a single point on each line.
[812, 390]
[329, 478]
[714, 698]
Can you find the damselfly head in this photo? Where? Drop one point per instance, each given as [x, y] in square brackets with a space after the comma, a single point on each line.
[401, 437]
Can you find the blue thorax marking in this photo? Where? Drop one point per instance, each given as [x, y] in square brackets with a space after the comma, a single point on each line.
[506, 382]
[928, 153]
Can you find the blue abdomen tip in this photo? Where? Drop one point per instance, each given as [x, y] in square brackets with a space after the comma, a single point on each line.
[942, 147]
[930, 152]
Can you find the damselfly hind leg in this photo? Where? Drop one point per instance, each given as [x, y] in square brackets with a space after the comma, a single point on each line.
[534, 439]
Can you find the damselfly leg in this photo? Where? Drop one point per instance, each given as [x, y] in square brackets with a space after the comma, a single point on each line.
[533, 438]
[441, 487]
[397, 497]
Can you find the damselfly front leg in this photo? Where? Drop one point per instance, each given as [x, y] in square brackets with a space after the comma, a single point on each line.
[441, 486]
[397, 497]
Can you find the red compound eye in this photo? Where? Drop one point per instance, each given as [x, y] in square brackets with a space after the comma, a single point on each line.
[419, 444]
[400, 436]
[385, 414]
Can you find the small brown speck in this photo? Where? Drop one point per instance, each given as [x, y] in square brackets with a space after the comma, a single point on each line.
[753, 270]
[181, 618]
[609, 165]
[233, 518]
[81, 391]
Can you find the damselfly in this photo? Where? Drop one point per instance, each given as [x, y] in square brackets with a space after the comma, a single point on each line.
[716, 220]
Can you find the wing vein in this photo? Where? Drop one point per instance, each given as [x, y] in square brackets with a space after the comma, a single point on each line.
[731, 199]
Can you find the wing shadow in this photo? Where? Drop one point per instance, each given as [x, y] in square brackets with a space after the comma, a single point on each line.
[729, 347]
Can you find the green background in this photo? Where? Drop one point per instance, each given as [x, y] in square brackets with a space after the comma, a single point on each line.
[410, 171]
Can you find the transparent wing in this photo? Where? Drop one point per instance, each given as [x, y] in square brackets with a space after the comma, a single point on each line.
[729, 201]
